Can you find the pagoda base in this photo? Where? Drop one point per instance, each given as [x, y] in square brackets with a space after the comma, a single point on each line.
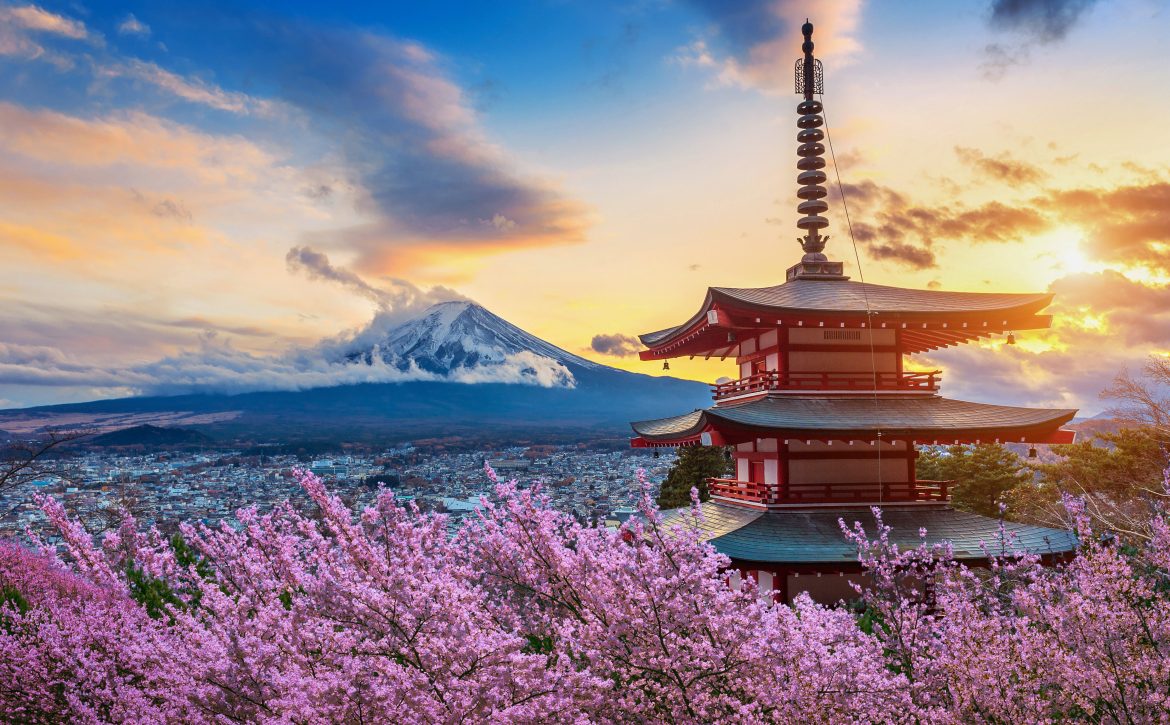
[817, 270]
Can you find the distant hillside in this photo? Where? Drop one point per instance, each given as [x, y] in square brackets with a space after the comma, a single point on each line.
[151, 436]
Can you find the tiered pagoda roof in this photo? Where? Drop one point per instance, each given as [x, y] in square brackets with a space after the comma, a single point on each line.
[931, 319]
[927, 419]
[814, 537]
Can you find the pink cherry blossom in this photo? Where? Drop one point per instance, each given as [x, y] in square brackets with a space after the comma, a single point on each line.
[526, 615]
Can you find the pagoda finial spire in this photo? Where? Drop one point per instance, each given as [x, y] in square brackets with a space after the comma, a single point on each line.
[809, 81]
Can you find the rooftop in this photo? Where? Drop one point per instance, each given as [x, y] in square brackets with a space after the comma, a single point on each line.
[854, 418]
[815, 537]
[938, 317]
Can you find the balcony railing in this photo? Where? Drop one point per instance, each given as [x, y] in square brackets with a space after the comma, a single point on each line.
[764, 382]
[821, 493]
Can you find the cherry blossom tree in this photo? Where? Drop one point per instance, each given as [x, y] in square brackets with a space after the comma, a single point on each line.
[526, 615]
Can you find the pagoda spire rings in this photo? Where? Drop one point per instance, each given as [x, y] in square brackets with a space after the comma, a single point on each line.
[811, 151]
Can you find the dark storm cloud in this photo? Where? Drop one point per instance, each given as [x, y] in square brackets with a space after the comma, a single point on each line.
[1035, 22]
[1044, 21]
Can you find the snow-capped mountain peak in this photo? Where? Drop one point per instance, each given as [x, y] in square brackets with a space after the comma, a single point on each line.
[461, 340]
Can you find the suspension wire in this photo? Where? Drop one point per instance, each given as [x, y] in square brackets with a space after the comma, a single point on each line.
[864, 292]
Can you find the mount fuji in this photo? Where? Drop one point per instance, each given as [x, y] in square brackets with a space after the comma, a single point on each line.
[455, 369]
[455, 339]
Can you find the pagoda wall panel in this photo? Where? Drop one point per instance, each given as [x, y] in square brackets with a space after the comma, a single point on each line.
[771, 471]
[771, 338]
[828, 589]
[743, 469]
[848, 470]
[827, 361]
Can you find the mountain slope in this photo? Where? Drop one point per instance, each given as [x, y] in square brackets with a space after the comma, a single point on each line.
[488, 375]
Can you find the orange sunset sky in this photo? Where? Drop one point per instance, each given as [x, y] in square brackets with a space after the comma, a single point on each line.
[189, 192]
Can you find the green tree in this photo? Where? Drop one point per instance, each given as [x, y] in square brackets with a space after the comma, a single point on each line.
[1118, 476]
[984, 474]
[694, 466]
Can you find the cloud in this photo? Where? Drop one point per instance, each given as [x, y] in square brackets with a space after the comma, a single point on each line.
[133, 26]
[1036, 22]
[1002, 168]
[128, 139]
[217, 367]
[20, 24]
[172, 209]
[411, 144]
[192, 90]
[893, 228]
[1127, 224]
[1042, 21]
[399, 300]
[754, 43]
[31, 17]
[617, 344]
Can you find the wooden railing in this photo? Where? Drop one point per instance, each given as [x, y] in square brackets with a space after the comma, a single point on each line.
[795, 493]
[926, 381]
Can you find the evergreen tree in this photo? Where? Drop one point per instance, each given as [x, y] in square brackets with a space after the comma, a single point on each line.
[694, 466]
[983, 474]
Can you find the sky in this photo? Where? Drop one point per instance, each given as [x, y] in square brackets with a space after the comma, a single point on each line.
[212, 196]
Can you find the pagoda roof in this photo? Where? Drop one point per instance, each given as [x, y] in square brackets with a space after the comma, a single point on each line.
[825, 417]
[813, 536]
[813, 301]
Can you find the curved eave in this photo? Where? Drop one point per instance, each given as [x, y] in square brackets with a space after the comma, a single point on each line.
[927, 319]
[925, 420]
[811, 538]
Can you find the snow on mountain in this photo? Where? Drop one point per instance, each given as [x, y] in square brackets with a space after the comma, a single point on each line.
[463, 342]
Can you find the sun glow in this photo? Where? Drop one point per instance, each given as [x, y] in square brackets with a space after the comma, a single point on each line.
[1063, 246]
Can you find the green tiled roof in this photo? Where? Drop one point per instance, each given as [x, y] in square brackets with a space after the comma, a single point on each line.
[924, 416]
[804, 536]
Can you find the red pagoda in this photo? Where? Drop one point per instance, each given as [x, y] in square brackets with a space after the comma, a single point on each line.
[825, 419]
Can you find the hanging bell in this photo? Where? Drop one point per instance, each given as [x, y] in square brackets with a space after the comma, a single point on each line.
[656, 453]
[1011, 338]
[731, 337]
[1032, 453]
[666, 365]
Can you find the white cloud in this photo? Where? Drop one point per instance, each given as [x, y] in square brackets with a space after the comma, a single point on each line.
[217, 367]
[133, 26]
[192, 90]
[31, 17]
